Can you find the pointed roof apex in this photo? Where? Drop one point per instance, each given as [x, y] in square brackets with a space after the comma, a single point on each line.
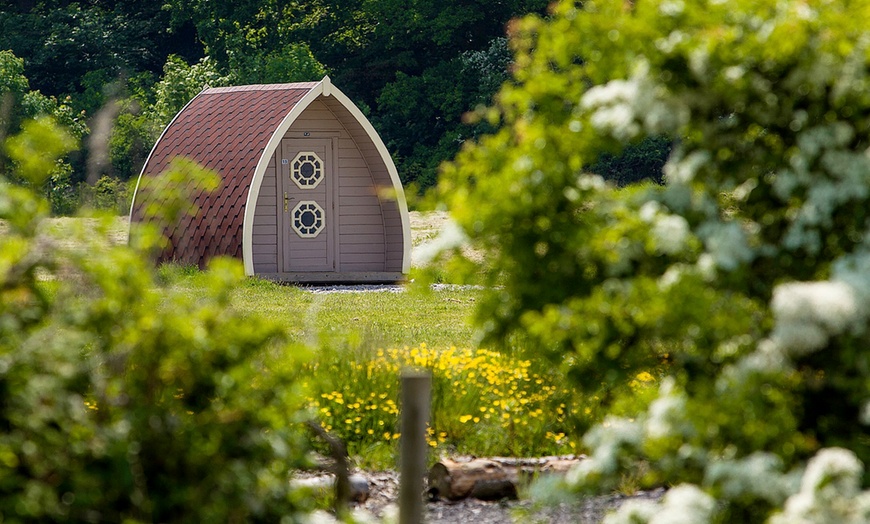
[327, 86]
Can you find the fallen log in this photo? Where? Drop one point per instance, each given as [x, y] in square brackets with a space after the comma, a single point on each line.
[491, 478]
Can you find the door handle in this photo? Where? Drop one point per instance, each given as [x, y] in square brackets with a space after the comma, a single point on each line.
[286, 202]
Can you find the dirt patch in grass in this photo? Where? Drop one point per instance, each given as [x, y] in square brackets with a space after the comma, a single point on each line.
[117, 229]
[67, 232]
[425, 226]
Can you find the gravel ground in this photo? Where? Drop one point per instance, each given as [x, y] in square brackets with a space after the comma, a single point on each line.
[367, 288]
[384, 489]
[589, 510]
[354, 288]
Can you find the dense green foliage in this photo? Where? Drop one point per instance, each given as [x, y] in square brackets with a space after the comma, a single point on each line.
[80, 48]
[123, 401]
[745, 276]
[422, 115]
[126, 67]
[636, 163]
[19, 103]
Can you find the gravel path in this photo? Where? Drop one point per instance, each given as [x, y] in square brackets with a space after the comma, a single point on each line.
[589, 510]
[368, 288]
[384, 487]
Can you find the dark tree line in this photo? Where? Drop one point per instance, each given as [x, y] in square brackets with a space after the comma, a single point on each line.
[415, 66]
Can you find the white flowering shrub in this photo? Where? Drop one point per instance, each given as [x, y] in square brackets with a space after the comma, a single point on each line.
[744, 281]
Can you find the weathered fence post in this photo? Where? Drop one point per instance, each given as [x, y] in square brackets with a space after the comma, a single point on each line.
[416, 392]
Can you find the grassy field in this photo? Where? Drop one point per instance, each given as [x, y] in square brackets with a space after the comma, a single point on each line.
[382, 318]
[484, 402]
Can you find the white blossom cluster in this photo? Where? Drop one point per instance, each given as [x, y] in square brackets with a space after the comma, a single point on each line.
[830, 492]
[683, 504]
[819, 173]
[830, 173]
[756, 475]
[727, 243]
[608, 440]
[614, 106]
[451, 236]
[682, 169]
[808, 314]
[618, 436]
[666, 415]
[670, 232]
[672, 7]
[625, 108]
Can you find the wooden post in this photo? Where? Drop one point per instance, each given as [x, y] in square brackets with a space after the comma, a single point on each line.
[416, 392]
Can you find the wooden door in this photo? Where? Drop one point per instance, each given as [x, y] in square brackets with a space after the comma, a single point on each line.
[305, 184]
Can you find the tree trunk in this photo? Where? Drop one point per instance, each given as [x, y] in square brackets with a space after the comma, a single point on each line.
[491, 478]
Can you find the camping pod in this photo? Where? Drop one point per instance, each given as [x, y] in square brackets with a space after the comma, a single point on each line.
[307, 193]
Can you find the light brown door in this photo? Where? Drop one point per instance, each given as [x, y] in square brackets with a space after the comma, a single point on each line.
[305, 184]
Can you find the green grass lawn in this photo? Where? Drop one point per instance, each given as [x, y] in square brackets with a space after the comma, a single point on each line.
[484, 402]
[370, 319]
[374, 319]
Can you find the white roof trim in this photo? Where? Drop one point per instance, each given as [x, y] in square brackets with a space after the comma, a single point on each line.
[325, 88]
[148, 159]
[391, 169]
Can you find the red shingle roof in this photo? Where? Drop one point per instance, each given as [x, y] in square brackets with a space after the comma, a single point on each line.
[224, 129]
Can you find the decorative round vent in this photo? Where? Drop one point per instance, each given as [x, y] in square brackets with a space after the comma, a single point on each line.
[308, 219]
[306, 170]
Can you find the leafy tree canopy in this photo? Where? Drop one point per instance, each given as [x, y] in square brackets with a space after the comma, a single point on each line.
[423, 115]
[18, 104]
[69, 45]
[18, 101]
[418, 66]
[415, 68]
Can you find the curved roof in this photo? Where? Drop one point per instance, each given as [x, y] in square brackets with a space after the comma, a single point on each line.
[234, 131]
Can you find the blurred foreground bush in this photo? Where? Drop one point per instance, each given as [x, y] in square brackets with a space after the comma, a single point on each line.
[747, 274]
[122, 401]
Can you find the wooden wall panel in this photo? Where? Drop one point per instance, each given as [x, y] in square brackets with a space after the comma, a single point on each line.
[361, 225]
[367, 227]
[262, 219]
[265, 239]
